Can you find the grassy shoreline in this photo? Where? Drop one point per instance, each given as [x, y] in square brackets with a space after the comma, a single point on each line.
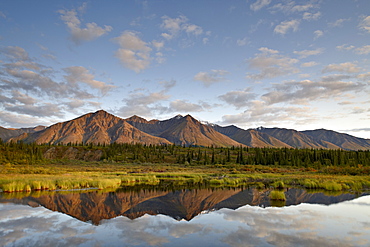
[71, 174]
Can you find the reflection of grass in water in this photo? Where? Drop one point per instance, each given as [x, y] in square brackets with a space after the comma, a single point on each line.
[277, 198]
[276, 203]
[325, 192]
[277, 195]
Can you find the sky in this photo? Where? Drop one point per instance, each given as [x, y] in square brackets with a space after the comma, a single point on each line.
[274, 63]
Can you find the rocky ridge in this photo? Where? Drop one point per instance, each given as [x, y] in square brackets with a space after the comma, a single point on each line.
[104, 128]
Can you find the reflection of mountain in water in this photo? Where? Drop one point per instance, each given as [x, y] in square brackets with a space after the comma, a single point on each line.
[179, 204]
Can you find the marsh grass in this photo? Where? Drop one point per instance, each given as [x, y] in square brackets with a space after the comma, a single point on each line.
[336, 183]
[139, 179]
[67, 175]
[58, 184]
[278, 184]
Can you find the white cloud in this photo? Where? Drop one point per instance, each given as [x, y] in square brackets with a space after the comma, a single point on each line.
[339, 22]
[364, 50]
[27, 89]
[23, 98]
[80, 74]
[166, 36]
[238, 99]
[259, 4]
[365, 76]
[39, 110]
[301, 8]
[76, 106]
[345, 47]
[317, 34]
[335, 77]
[309, 64]
[306, 53]
[346, 103]
[145, 99]
[185, 106]
[290, 7]
[2, 15]
[158, 44]
[90, 32]
[193, 29]
[268, 50]
[273, 107]
[365, 24]
[75, 103]
[134, 53]
[173, 27]
[13, 119]
[143, 104]
[342, 67]
[303, 92]
[285, 26]
[15, 53]
[242, 42]
[159, 57]
[311, 17]
[208, 78]
[259, 113]
[167, 85]
[271, 64]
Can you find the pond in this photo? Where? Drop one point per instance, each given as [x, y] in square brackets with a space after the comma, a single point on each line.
[150, 216]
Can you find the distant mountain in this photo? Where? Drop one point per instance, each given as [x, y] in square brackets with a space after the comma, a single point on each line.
[103, 127]
[6, 134]
[292, 137]
[328, 138]
[250, 137]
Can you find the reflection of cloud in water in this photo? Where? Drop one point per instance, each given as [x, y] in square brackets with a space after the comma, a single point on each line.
[242, 238]
[180, 230]
[135, 232]
[263, 221]
[303, 225]
[38, 227]
[343, 224]
[306, 239]
[365, 225]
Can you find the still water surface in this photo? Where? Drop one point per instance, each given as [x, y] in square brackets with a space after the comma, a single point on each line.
[186, 217]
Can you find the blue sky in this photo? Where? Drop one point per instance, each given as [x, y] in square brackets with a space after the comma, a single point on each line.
[290, 64]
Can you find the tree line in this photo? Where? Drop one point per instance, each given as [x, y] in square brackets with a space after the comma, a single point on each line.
[28, 154]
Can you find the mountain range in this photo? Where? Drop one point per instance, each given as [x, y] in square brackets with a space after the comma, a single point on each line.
[103, 127]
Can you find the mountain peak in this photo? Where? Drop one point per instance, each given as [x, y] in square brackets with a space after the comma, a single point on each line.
[189, 117]
[136, 119]
[101, 113]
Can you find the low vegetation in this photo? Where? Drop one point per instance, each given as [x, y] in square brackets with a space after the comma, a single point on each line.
[31, 167]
